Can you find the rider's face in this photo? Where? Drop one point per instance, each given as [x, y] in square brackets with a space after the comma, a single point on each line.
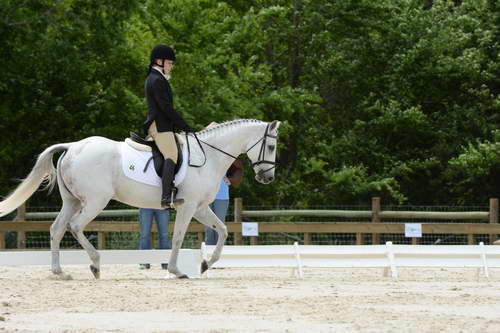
[167, 66]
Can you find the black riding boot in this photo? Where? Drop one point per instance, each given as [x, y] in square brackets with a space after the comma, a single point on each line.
[168, 199]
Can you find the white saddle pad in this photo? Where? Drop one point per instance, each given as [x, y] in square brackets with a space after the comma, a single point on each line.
[134, 161]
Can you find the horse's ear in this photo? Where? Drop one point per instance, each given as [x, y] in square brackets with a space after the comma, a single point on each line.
[274, 125]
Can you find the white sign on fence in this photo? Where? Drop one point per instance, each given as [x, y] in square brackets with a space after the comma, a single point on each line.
[249, 229]
[413, 230]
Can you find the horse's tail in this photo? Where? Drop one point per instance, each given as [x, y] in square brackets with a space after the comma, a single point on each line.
[42, 172]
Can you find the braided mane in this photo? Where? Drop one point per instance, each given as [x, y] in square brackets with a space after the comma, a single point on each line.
[226, 125]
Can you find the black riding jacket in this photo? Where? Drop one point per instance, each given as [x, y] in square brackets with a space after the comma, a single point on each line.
[161, 105]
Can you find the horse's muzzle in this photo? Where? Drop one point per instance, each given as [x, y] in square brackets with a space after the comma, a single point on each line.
[263, 179]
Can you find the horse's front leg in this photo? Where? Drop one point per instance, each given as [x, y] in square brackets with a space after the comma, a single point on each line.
[207, 217]
[182, 220]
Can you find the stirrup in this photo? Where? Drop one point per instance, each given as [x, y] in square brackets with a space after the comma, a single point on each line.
[174, 203]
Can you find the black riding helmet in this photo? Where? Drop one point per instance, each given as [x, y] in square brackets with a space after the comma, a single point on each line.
[162, 52]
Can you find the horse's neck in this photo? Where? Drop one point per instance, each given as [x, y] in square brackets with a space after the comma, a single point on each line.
[233, 142]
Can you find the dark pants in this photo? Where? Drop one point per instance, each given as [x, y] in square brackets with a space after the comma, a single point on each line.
[146, 219]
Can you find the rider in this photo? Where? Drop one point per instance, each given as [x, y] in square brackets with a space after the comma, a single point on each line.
[163, 120]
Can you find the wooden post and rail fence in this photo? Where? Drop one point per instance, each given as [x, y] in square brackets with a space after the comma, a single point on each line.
[489, 223]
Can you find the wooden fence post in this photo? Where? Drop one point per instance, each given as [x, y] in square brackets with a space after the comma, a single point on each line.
[470, 239]
[21, 235]
[101, 240]
[238, 208]
[359, 238]
[201, 238]
[375, 218]
[493, 217]
[307, 238]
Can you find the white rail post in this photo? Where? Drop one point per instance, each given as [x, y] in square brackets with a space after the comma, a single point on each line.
[392, 264]
[299, 262]
[485, 262]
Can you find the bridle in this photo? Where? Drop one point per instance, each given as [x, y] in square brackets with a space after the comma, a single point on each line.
[262, 153]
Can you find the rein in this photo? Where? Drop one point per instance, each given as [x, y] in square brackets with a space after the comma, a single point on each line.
[189, 151]
[261, 158]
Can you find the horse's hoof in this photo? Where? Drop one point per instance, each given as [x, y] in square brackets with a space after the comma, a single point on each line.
[61, 276]
[204, 266]
[183, 276]
[95, 271]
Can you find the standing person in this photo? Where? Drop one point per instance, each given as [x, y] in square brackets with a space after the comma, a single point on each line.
[146, 222]
[162, 119]
[221, 203]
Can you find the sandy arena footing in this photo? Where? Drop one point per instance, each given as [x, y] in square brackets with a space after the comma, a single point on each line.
[127, 299]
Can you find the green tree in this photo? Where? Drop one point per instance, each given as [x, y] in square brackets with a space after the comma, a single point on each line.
[393, 98]
[475, 174]
[66, 75]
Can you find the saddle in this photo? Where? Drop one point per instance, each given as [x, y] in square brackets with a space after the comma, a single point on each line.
[157, 158]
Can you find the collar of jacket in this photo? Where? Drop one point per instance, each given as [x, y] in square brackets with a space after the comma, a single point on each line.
[166, 76]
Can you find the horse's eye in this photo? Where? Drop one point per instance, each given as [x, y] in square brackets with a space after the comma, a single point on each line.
[271, 148]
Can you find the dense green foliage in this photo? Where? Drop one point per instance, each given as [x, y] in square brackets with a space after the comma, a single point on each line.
[391, 98]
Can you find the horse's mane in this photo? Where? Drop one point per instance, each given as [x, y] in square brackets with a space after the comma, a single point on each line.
[226, 125]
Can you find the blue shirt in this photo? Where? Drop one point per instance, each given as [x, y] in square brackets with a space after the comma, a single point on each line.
[223, 193]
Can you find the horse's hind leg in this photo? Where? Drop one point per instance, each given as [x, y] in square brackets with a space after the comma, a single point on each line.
[57, 230]
[70, 207]
[90, 209]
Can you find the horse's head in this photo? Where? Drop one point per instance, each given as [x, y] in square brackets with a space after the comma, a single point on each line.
[263, 153]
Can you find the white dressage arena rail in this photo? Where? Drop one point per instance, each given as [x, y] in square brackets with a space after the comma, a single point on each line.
[189, 260]
[387, 256]
[295, 256]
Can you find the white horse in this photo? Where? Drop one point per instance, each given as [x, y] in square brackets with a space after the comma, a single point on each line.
[89, 175]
